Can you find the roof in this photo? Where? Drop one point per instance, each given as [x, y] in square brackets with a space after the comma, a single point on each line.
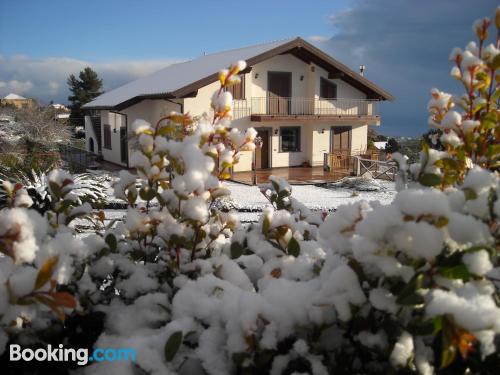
[15, 97]
[380, 145]
[182, 79]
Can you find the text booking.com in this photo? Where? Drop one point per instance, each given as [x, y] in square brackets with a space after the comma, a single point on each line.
[62, 354]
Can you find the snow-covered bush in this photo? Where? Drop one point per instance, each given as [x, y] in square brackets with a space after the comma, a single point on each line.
[411, 287]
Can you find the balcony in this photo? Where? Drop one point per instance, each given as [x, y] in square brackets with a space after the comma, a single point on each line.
[277, 109]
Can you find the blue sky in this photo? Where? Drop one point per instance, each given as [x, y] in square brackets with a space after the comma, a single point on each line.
[103, 30]
[403, 43]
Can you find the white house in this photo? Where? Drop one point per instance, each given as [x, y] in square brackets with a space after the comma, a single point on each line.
[303, 103]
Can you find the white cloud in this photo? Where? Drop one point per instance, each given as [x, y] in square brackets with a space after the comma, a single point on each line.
[318, 38]
[15, 86]
[45, 78]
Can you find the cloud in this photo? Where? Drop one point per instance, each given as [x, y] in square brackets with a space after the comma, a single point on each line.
[318, 38]
[18, 87]
[405, 47]
[45, 79]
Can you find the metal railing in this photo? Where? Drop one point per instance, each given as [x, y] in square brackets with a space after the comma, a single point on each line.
[304, 106]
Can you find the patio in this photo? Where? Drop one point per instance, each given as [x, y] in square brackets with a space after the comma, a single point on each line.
[294, 175]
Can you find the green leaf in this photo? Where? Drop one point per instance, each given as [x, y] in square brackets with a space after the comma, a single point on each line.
[430, 179]
[441, 222]
[469, 193]
[236, 250]
[438, 324]
[408, 295]
[459, 271]
[46, 271]
[111, 241]
[410, 299]
[147, 193]
[266, 225]
[172, 346]
[293, 247]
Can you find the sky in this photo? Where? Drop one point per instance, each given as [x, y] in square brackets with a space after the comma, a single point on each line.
[404, 44]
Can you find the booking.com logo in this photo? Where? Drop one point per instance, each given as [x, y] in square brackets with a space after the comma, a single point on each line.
[62, 354]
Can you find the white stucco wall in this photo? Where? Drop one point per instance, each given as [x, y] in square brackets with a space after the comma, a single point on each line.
[90, 134]
[359, 139]
[115, 121]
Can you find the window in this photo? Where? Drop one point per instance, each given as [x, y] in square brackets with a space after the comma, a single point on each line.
[327, 89]
[290, 139]
[107, 137]
[238, 90]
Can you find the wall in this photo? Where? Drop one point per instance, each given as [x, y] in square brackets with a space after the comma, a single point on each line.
[359, 139]
[89, 133]
[149, 110]
[115, 121]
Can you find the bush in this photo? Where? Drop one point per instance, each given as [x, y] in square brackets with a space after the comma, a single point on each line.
[412, 287]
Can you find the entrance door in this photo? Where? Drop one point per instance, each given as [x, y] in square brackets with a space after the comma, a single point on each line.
[123, 144]
[340, 155]
[341, 138]
[279, 88]
[262, 154]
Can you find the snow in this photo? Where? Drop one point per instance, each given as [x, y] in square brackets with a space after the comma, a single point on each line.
[248, 198]
[12, 96]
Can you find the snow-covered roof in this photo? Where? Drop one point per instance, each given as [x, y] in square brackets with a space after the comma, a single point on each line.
[178, 80]
[15, 97]
[58, 106]
[380, 145]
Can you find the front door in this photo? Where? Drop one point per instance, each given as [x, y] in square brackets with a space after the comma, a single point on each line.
[341, 139]
[262, 153]
[279, 88]
[340, 156]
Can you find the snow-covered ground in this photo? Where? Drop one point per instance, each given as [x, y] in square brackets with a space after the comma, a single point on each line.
[249, 201]
[314, 197]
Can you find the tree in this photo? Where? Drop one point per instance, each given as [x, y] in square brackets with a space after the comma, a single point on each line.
[84, 89]
[392, 146]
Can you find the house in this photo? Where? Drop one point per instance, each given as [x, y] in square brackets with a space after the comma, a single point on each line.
[303, 103]
[17, 101]
[61, 112]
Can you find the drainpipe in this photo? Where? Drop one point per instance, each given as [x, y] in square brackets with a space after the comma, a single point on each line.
[126, 131]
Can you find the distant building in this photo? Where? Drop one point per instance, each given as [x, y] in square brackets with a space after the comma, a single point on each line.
[61, 111]
[17, 101]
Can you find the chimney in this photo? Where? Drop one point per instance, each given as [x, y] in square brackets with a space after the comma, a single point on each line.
[362, 70]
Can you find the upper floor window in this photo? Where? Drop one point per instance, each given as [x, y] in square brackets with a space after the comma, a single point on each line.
[107, 137]
[327, 89]
[238, 90]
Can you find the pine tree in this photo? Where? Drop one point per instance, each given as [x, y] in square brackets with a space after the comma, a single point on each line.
[84, 89]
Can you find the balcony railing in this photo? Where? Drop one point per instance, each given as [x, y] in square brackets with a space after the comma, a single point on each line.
[304, 107]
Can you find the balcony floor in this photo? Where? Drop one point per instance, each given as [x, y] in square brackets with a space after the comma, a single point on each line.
[294, 175]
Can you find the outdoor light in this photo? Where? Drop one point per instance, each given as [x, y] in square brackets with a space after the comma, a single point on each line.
[256, 75]
[276, 131]
[301, 78]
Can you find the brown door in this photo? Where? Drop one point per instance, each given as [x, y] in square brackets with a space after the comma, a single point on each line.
[279, 88]
[341, 147]
[341, 138]
[262, 154]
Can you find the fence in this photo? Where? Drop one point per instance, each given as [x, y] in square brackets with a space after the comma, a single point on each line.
[385, 170]
[78, 159]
